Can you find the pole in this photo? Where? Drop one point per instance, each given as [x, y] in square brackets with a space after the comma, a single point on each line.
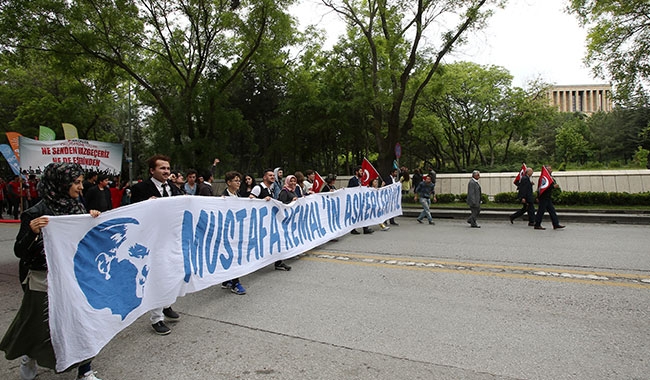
[130, 158]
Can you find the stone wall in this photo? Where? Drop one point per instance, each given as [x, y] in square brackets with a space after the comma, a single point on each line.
[628, 181]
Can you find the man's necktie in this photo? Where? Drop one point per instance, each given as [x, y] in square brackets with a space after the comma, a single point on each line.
[164, 187]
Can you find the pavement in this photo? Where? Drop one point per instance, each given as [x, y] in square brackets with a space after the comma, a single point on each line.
[565, 215]
[416, 302]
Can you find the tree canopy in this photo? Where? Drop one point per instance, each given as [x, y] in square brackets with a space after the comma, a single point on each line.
[199, 79]
[618, 43]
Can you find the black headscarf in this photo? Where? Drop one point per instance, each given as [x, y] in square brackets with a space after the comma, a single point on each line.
[54, 188]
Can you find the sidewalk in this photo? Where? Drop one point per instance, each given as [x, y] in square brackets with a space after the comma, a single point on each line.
[566, 216]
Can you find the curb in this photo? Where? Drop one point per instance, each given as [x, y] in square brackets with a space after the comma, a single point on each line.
[617, 217]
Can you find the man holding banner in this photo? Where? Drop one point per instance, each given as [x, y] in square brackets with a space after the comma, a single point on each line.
[357, 180]
[157, 186]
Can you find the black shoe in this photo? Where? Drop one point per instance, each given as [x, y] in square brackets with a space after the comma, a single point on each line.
[511, 219]
[282, 266]
[431, 223]
[475, 226]
[531, 224]
[558, 227]
[161, 328]
[368, 230]
[419, 221]
[539, 228]
[394, 223]
[171, 314]
[354, 232]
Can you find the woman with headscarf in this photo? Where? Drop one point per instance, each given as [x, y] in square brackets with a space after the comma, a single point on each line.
[28, 336]
[288, 192]
[287, 195]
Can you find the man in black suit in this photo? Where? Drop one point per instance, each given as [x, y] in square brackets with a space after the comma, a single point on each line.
[527, 197]
[157, 186]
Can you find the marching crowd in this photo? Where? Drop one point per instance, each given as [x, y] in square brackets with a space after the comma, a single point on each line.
[63, 190]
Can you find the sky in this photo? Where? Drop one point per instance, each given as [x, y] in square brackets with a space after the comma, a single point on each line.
[530, 38]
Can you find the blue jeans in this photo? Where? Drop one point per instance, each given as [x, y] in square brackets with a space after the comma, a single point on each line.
[425, 202]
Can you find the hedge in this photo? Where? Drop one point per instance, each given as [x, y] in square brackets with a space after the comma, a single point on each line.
[569, 198]
[574, 198]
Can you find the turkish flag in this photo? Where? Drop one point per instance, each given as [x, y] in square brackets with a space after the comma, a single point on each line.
[520, 174]
[318, 183]
[369, 172]
[545, 181]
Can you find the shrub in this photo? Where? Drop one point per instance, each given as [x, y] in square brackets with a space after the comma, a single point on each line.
[446, 198]
[510, 197]
[408, 198]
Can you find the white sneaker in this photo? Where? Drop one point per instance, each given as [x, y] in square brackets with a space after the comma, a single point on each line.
[90, 375]
[28, 368]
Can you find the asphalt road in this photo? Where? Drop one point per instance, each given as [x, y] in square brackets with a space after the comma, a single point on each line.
[416, 302]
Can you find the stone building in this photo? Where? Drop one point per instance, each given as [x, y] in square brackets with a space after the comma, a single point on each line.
[581, 98]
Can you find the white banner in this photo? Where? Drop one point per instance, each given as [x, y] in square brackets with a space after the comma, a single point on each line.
[106, 272]
[95, 156]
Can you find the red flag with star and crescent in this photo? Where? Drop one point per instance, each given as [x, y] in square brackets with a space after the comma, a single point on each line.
[369, 172]
[520, 174]
[545, 181]
[318, 183]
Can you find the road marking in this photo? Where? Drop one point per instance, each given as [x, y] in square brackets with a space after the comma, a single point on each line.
[629, 280]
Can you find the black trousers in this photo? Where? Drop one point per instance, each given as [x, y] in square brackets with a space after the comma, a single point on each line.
[526, 207]
[546, 204]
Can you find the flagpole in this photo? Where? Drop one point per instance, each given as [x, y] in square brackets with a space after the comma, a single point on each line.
[130, 158]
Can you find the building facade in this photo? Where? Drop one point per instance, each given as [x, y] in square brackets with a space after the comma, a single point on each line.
[581, 98]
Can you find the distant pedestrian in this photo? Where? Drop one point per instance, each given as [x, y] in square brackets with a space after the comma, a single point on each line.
[416, 178]
[474, 198]
[545, 191]
[526, 197]
[405, 179]
[424, 193]
[98, 197]
[391, 179]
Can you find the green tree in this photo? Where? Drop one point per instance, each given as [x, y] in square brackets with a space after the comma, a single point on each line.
[618, 43]
[41, 89]
[387, 39]
[166, 47]
[571, 140]
[470, 115]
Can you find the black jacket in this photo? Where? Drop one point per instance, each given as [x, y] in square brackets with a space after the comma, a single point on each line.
[29, 245]
[146, 189]
[525, 190]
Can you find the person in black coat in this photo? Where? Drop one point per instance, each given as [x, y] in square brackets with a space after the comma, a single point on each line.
[98, 197]
[158, 185]
[527, 198]
[355, 181]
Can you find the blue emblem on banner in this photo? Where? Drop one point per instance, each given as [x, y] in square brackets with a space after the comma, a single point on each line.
[111, 274]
